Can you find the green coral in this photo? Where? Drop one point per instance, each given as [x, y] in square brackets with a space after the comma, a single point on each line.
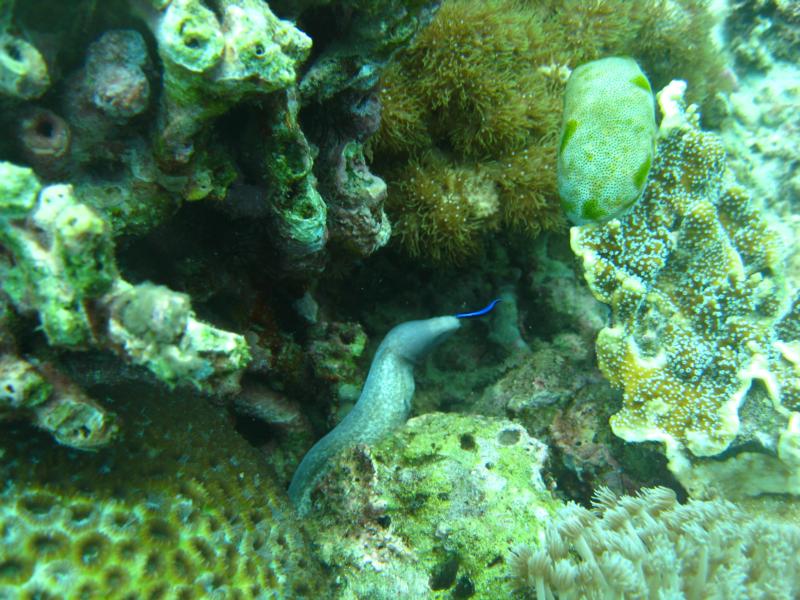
[430, 511]
[61, 266]
[180, 507]
[695, 279]
[607, 139]
[211, 63]
[23, 71]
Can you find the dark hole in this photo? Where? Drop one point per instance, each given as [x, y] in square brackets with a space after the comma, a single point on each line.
[384, 521]
[13, 52]
[44, 128]
[467, 442]
[444, 577]
[191, 42]
[495, 561]
[464, 588]
[508, 437]
[259, 50]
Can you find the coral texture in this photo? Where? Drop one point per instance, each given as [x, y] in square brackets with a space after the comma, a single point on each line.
[430, 511]
[650, 546]
[695, 279]
[61, 267]
[180, 507]
[54, 404]
[480, 91]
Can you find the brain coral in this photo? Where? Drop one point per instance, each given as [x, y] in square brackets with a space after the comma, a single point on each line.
[694, 276]
[181, 508]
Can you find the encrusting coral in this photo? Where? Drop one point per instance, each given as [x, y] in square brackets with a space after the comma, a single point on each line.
[650, 546]
[695, 279]
[429, 512]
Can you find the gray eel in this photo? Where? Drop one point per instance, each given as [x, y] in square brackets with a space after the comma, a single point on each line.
[384, 403]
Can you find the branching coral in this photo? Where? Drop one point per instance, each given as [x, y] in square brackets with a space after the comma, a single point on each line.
[694, 276]
[53, 403]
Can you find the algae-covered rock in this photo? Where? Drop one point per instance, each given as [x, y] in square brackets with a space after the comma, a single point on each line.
[432, 511]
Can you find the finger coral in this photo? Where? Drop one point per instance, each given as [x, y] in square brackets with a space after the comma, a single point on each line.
[695, 279]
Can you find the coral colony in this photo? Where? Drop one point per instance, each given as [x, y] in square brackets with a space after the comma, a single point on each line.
[227, 228]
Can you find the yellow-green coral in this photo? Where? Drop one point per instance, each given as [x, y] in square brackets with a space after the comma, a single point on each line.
[694, 276]
[181, 507]
[481, 87]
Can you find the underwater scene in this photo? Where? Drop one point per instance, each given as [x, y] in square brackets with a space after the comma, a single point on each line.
[399, 299]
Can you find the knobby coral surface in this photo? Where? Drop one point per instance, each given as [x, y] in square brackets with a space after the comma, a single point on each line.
[695, 279]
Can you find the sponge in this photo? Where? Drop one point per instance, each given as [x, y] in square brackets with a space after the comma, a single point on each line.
[607, 139]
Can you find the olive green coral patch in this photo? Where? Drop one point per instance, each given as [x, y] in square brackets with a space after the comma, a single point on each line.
[641, 82]
[569, 130]
[592, 211]
[641, 173]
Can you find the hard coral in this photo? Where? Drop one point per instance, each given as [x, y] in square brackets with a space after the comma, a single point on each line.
[60, 265]
[181, 507]
[428, 512]
[695, 278]
[211, 63]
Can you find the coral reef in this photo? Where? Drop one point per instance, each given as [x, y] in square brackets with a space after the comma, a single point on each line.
[695, 279]
[53, 403]
[179, 506]
[212, 63]
[480, 91]
[649, 546]
[60, 266]
[430, 511]
[23, 71]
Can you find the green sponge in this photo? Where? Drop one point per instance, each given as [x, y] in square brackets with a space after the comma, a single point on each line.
[607, 139]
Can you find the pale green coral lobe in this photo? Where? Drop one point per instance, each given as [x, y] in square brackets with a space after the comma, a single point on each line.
[607, 139]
